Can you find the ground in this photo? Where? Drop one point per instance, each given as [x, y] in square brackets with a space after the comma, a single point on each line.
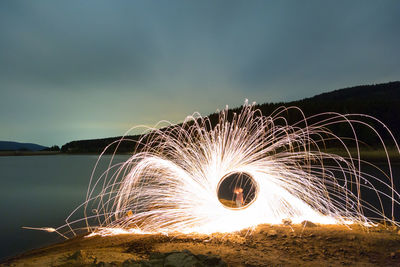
[266, 245]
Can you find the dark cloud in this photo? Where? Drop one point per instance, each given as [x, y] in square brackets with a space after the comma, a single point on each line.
[61, 43]
[322, 41]
[83, 69]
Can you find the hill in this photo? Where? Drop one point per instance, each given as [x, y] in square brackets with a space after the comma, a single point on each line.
[16, 146]
[381, 101]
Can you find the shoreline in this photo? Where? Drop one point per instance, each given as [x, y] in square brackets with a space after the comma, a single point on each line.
[28, 153]
[46, 153]
[365, 153]
[265, 245]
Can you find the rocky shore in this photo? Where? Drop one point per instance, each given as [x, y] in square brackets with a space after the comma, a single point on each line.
[266, 245]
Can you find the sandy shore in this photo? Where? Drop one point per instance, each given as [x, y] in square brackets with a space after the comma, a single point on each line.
[290, 245]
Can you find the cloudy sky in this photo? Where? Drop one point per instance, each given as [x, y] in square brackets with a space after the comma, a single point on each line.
[85, 69]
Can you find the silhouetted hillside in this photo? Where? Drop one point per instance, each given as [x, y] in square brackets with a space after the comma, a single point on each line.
[15, 146]
[381, 101]
[98, 145]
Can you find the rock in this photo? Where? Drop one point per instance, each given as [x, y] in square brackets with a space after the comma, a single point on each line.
[142, 263]
[182, 259]
[308, 224]
[272, 233]
[78, 255]
[156, 255]
[176, 259]
[107, 264]
[211, 260]
[153, 263]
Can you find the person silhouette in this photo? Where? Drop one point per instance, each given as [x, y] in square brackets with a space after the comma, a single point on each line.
[238, 197]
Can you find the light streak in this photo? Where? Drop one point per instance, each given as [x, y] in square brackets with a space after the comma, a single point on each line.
[170, 184]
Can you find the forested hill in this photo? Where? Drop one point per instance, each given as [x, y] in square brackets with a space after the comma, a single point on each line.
[16, 146]
[381, 101]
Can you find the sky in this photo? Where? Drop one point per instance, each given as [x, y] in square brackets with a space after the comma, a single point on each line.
[72, 70]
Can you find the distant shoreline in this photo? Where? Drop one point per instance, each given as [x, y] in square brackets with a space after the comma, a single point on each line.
[366, 154]
[46, 153]
[29, 153]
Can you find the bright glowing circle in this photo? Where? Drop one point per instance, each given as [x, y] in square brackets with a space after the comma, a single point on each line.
[237, 190]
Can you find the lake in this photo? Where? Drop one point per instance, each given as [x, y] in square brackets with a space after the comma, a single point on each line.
[41, 191]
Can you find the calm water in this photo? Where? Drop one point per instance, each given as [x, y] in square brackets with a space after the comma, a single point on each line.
[41, 191]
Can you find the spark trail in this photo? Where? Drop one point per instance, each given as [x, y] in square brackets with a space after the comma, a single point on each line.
[170, 184]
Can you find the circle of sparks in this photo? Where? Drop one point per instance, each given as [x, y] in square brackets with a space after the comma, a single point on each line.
[169, 184]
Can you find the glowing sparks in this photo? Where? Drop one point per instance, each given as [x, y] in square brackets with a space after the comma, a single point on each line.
[170, 184]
